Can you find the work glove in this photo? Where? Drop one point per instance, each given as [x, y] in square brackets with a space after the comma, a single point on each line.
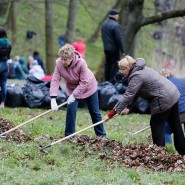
[54, 105]
[71, 99]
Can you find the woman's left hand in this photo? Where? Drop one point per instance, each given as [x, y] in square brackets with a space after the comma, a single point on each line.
[125, 111]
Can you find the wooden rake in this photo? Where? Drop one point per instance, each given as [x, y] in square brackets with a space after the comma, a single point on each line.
[30, 120]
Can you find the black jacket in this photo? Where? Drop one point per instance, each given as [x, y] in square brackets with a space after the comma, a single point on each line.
[112, 36]
[5, 49]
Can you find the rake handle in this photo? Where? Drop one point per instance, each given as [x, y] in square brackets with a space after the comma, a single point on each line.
[140, 130]
[32, 119]
[71, 135]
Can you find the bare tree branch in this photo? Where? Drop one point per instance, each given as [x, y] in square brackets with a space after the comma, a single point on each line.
[162, 16]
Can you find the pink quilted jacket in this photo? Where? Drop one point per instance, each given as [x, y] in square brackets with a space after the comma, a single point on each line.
[78, 78]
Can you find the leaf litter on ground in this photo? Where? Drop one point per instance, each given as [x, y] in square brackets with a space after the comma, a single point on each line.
[16, 135]
[134, 155]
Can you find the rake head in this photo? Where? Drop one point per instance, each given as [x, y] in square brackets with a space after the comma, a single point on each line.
[42, 151]
[2, 137]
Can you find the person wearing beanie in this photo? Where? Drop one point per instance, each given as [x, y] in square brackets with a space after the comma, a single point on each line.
[113, 44]
[80, 85]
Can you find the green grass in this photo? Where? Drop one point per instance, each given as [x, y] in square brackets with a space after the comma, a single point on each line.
[68, 163]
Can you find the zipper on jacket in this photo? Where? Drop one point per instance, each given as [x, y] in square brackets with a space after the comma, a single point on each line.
[159, 105]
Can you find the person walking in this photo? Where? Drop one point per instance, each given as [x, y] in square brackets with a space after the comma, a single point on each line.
[113, 44]
[180, 84]
[80, 84]
[159, 92]
[5, 49]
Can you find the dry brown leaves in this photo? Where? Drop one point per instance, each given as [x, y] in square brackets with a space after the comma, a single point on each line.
[136, 155]
[16, 135]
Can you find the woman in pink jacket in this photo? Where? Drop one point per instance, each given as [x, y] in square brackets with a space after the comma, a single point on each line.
[80, 84]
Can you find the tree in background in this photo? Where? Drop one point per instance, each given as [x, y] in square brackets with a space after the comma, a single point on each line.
[49, 37]
[71, 21]
[132, 19]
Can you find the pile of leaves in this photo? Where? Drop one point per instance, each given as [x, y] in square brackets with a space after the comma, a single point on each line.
[16, 135]
[137, 155]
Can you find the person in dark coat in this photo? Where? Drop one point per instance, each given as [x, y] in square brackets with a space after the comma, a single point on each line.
[161, 94]
[180, 84]
[113, 44]
[5, 49]
[36, 56]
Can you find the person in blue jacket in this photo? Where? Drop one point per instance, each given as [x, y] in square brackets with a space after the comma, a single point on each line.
[180, 84]
[5, 49]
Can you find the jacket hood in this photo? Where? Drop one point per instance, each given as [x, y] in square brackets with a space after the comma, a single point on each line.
[76, 58]
[140, 64]
[4, 42]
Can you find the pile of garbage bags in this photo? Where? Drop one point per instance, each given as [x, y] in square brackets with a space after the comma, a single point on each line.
[35, 94]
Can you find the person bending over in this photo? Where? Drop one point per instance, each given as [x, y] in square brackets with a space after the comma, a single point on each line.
[161, 94]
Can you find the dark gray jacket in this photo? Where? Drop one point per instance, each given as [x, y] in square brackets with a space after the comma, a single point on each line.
[151, 86]
[112, 36]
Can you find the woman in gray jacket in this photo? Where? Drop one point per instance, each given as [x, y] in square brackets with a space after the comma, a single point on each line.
[159, 92]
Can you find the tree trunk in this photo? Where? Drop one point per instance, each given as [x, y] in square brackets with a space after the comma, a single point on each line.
[14, 24]
[3, 8]
[132, 19]
[69, 36]
[49, 37]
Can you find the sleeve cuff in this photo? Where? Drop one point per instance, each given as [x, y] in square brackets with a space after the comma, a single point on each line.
[111, 113]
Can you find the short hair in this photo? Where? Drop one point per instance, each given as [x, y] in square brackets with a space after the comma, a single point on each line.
[3, 33]
[126, 62]
[66, 51]
[166, 72]
[35, 53]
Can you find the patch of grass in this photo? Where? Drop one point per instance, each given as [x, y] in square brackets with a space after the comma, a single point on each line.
[67, 163]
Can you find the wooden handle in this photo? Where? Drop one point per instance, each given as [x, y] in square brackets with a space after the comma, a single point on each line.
[32, 119]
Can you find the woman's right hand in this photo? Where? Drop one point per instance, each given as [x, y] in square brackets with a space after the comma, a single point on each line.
[106, 118]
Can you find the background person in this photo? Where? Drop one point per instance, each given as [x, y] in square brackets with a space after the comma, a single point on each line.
[36, 70]
[180, 84]
[5, 49]
[80, 84]
[113, 44]
[80, 47]
[159, 92]
[36, 56]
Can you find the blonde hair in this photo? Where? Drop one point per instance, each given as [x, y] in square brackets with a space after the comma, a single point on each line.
[126, 62]
[166, 72]
[66, 51]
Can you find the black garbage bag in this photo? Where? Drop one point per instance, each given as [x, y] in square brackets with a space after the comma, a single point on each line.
[113, 100]
[106, 90]
[141, 106]
[15, 97]
[120, 87]
[119, 78]
[36, 93]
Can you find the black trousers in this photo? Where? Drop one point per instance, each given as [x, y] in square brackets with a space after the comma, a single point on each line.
[111, 65]
[157, 127]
